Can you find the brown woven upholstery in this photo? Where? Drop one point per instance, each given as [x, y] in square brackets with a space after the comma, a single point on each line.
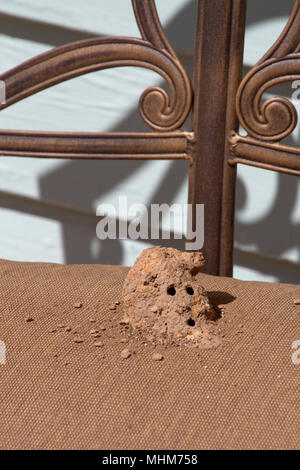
[55, 393]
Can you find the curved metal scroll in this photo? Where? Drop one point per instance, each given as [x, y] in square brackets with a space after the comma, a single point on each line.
[277, 117]
[268, 123]
[153, 52]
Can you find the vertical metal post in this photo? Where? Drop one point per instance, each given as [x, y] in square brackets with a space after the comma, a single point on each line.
[218, 63]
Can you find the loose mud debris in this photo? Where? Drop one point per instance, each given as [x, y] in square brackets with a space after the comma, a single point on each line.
[157, 357]
[125, 354]
[78, 340]
[77, 304]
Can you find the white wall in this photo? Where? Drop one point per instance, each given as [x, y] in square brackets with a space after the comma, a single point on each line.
[48, 207]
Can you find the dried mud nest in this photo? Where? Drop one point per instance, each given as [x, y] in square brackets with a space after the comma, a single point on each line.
[163, 300]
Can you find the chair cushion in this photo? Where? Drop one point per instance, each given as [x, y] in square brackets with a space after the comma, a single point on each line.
[59, 394]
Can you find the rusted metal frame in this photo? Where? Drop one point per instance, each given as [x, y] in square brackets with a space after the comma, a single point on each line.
[161, 112]
[263, 166]
[229, 176]
[218, 63]
[58, 65]
[249, 151]
[149, 25]
[142, 145]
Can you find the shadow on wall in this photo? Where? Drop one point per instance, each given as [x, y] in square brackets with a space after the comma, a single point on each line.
[258, 11]
[79, 183]
[276, 230]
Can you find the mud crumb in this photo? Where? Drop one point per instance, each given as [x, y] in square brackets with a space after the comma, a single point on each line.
[297, 301]
[112, 307]
[53, 330]
[77, 304]
[99, 344]
[78, 340]
[68, 328]
[157, 357]
[102, 328]
[124, 340]
[29, 318]
[61, 325]
[125, 354]
[93, 332]
[92, 320]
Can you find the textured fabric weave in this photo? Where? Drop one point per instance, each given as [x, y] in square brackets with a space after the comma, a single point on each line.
[58, 394]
